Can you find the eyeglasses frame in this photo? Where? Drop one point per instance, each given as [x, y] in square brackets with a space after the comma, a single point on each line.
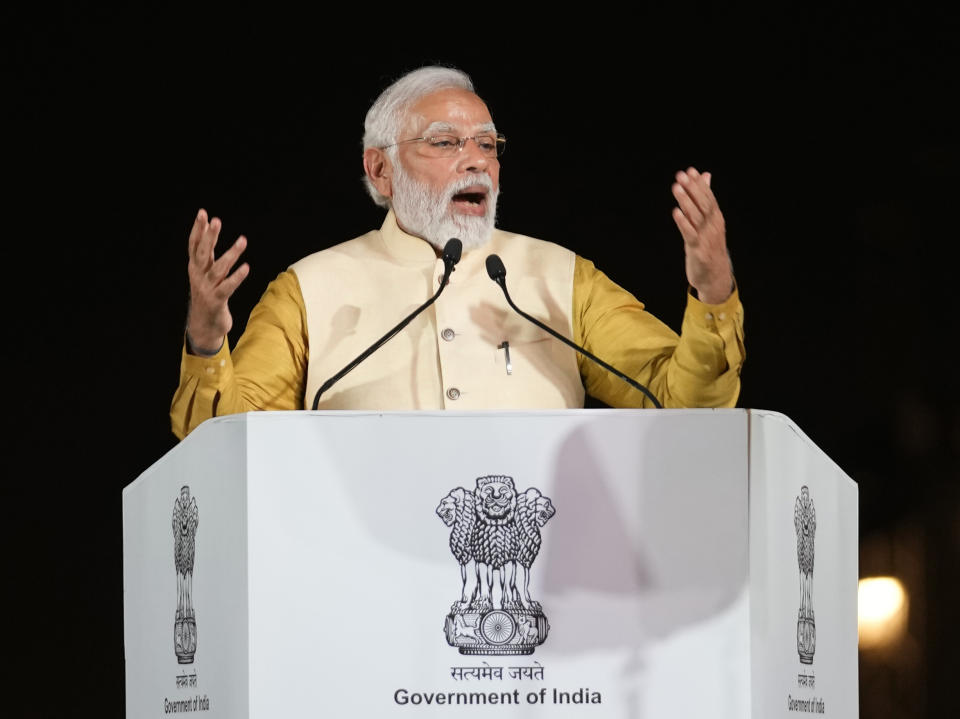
[499, 138]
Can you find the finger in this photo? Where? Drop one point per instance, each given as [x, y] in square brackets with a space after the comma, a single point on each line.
[208, 240]
[697, 186]
[687, 205]
[687, 231]
[221, 267]
[698, 190]
[230, 284]
[199, 224]
[706, 201]
[703, 186]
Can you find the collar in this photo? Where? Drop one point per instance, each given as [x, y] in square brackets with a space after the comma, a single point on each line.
[415, 250]
[402, 246]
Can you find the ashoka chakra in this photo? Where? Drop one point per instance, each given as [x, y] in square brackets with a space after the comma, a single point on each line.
[498, 627]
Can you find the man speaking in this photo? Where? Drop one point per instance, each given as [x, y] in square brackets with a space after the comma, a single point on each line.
[432, 159]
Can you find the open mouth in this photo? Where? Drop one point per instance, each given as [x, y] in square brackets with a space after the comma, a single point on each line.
[475, 198]
[472, 201]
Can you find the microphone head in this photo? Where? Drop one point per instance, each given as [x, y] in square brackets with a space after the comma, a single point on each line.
[495, 268]
[452, 251]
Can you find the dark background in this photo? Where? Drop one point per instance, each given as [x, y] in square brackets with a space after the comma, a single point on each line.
[833, 152]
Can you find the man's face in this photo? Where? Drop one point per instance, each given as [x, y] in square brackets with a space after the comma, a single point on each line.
[459, 113]
[442, 197]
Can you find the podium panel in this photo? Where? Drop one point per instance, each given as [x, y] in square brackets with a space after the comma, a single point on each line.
[606, 563]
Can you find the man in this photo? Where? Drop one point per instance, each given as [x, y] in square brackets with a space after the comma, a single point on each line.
[431, 157]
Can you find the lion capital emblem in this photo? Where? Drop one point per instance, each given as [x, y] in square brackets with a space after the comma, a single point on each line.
[495, 538]
[186, 518]
[805, 524]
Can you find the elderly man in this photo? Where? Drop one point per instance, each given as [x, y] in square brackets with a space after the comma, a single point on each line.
[431, 158]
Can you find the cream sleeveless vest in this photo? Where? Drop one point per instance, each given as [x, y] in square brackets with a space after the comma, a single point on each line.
[452, 356]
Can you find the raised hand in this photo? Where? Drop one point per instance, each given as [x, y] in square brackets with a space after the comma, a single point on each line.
[211, 284]
[701, 223]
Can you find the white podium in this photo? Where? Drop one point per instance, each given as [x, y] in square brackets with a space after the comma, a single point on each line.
[589, 563]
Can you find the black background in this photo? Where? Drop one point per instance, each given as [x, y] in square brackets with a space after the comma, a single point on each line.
[833, 151]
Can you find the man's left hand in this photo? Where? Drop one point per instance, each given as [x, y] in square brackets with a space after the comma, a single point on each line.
[700, 221]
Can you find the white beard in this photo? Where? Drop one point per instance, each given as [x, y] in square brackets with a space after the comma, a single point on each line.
[423, 212]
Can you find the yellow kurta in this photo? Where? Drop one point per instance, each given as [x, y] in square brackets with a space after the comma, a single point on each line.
[450, 356]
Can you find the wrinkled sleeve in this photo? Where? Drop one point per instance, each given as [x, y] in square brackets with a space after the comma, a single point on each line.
[265, 371]
[700, 367]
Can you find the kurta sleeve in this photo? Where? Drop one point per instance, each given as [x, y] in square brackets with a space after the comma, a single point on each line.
[700, 367]
[265, 371]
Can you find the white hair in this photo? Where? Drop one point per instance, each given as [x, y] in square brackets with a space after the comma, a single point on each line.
[425, 211]
[386, 116]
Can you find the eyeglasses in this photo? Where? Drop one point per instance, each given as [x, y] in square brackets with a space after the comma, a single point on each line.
[491, 145]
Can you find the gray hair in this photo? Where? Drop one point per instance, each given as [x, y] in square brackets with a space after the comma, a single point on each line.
[386, 116]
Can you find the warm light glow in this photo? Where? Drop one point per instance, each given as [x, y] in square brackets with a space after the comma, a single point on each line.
[882, 611]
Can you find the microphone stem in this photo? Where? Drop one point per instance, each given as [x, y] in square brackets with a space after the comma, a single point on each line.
[541, 325]
[383, 340]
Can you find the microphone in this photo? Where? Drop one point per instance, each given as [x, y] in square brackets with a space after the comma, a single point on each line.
[451, 256]
[498, 273]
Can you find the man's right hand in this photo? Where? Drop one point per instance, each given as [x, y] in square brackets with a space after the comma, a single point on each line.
[211, 285]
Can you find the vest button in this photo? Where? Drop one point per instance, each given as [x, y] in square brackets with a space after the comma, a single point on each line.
[453, 393]
[448, 334]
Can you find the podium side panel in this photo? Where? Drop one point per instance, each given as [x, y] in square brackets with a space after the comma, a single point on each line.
[804, 573]
[642, 573]
[185, 578]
